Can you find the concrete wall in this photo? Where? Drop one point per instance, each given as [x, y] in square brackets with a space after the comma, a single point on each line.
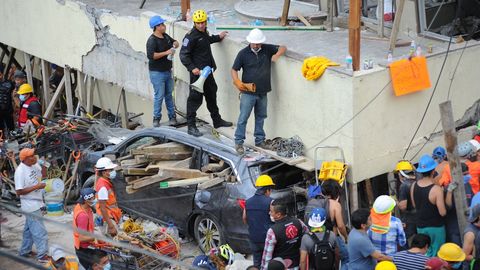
[111, 48]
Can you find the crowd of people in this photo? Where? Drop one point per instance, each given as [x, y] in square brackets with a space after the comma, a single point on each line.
[425, 235]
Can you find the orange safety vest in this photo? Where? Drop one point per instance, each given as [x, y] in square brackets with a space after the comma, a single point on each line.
[90, 227]
[473, 170]
[23, 116]
[112, 208]
[71, 263]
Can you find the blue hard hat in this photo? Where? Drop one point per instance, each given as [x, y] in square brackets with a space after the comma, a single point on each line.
[314, 191]
[202, 261]
[156, 20]
[317, 218]
[426, 164]
[439, 153]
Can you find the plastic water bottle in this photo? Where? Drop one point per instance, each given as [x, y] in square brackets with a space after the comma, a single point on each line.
[349, 62]
[390, 57]
[413, 48]
[418, 52]
[212, 23]
[170, 56]
[172, 231]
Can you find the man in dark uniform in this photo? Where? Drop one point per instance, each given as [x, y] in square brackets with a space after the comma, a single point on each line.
[256, 215]
[6, 105]
[196, 54]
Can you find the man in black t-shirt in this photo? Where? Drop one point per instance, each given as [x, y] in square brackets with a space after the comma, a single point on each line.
[255, 62]
[6, 105]
[160, 50]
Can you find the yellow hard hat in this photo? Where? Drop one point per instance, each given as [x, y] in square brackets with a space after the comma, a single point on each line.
[264, 181]
[404, 165]
[385, 265]
[451, 252]
[199, 16]
[25, 89]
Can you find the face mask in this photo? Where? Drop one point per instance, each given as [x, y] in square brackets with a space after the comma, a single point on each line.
[93, 203]
[22, 97]
[456, 265]
[113, 174]
[256, 50]
[107, 266]
[272, 219]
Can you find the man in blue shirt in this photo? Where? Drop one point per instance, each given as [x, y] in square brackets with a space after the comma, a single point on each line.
[363, 255]
[255, 61]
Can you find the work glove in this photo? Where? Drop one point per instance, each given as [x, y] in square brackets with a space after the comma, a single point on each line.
[247, 87]
[452, 186]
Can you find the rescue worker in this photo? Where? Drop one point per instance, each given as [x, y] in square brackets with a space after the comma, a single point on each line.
[407, 176]
[30, 105]
[256, 216]
[19, 78]
[59, 260]
[439, 154]
[83, 220]
[284, 237]
[471, 236]
[107, 205]
[6, 104]
[468, 154]
[452, 254]
[100, 260]
[196, 54]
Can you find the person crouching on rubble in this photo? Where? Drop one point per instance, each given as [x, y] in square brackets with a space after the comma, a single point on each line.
[29, 106]
[218, 259]
[59, 260]
[83, 220]
[107, 205]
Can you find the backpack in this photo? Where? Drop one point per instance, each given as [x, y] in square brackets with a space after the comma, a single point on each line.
[322, 257]
[318, 202]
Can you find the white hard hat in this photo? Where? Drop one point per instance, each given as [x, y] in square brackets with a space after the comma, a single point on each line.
[476, 145]
[256, 36]
[105, 163]
[383, 204]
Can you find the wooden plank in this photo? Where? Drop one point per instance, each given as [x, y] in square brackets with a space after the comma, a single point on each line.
[45, 84]
[90, 91]
[11, 58]
[180, 173]
[141, 159]
[396, 24]
[28, 68]
[302, 19]
[125, 158]
[149, 180]
[448, 124]
[170, 147]
[124, 109]
[354, 18]
[81, 89]
[380, 21]
[141, 171]
[55, 98]
[210, 183]
[286, 8]
[130, 179]
[131, 162]
[185, 182]
[168, 156]
[329, 21]
[68, 90]
[169, 163]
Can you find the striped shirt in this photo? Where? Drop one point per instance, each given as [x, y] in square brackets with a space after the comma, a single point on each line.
[387, 243]
[406, 260]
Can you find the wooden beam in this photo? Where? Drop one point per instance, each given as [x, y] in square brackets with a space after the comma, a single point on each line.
[450, 135]
[210, 183]
[8, 53]
[396, 25]
[330, 15]
[353, 197]
[28, 68]
[124, 109]
[2, 55]
[90, 91]
[45, 84]
[82, 78]
[170, 147]
[185, 7]
[180, 173]
[148, 180]
[55, 98]
[302, 19]
[185, 182]
[168, 156]
[68, 89]
[286, 8]
[11, 58]
[354, 18]
[380, 20]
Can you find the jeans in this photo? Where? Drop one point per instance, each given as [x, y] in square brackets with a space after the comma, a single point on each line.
[163, 85]
[257, 252]
[342, 247]
[34, 232]
[247, 103]
[437, 238]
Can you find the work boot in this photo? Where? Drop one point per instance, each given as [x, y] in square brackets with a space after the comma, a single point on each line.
[222, 123]
[193, 130]
[172, 122]
[239, 148]
[156, 122]
[264, 145]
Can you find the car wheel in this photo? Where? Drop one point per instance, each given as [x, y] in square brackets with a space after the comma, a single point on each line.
[208, 233]
[89, 182]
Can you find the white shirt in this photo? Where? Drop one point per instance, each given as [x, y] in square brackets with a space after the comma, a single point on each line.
[103, 194]
[28, 176]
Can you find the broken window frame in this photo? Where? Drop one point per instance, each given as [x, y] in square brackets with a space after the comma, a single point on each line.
[341, 7]
[422, 23]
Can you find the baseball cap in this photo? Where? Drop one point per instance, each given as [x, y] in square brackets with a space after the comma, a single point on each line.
[202, 261]
[25, 153]
[57, 252]
[317, 218]
[436, 263]
[279, 264]
[19, 74]
[86, 194]
[474, 213]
